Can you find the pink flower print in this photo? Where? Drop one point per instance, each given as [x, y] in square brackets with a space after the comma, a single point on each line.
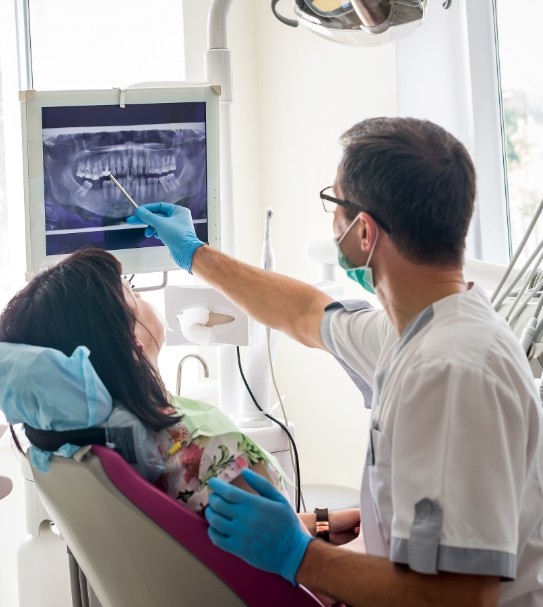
[241, 461]
[190, 458]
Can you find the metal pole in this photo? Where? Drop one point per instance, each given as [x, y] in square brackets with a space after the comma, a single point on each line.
[24, 45]
[218, 70]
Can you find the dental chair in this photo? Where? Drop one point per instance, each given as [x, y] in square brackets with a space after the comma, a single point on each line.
[6, 485]
[138, 547]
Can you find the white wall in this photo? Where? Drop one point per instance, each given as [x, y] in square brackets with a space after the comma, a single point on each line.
[77, 58]
[294, 95]
[309, 92]
[12, 523]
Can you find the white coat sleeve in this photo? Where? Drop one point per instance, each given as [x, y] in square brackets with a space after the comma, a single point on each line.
[458, 467]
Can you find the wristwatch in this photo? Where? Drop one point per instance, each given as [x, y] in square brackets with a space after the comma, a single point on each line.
[322, 524]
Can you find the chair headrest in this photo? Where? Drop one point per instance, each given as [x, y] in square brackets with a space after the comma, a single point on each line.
[46, 390]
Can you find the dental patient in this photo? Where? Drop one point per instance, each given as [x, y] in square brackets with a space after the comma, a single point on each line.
[79, 349]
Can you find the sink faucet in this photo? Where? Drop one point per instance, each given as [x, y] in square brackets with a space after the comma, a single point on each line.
[180, 368]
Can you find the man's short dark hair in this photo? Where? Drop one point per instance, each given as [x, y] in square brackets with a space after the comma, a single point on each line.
[418, 179]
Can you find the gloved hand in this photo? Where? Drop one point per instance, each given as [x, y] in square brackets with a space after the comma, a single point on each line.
[173, 225]
[261, 529]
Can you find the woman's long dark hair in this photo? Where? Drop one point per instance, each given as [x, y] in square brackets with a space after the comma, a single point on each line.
[81, 301]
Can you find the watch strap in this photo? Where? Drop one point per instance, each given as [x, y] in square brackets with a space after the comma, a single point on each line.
[322, 524]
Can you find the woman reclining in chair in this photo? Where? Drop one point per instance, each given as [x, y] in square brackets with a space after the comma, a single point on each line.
[84, 301]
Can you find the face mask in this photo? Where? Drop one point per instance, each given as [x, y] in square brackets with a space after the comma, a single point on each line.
[363, 275]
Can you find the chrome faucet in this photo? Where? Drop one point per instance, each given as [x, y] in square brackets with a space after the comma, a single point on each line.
[180, 368]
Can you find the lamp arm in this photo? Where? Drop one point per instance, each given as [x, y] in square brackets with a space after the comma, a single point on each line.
[216, 24]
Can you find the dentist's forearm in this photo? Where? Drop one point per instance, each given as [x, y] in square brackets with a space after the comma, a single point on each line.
[360, 580]
[278, 301]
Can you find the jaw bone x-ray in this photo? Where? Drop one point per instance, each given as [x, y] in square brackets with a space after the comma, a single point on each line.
[156, 152]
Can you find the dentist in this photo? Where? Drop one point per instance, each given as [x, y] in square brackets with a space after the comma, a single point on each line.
[452, 496]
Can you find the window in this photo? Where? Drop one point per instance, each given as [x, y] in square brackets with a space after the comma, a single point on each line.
[505, 47]
[3, 206]
[12, 233]
[116, 44]
[520, 48]
[111, 44]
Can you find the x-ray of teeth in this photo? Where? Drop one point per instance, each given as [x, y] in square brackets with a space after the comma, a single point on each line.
[156, 143]
[157, 151]
[153, 164]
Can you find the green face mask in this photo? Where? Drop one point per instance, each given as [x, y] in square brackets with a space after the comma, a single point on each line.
[363, 275]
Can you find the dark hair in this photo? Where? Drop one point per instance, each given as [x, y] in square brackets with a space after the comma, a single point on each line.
[80, 301]
[417, 178]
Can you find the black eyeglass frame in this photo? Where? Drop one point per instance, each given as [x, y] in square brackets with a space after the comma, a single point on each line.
[346, 203]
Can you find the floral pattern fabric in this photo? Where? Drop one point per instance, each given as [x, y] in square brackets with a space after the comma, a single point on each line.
[190, 461]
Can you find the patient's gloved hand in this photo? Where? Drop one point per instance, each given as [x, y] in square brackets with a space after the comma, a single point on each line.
[173, 225]
[261, 529]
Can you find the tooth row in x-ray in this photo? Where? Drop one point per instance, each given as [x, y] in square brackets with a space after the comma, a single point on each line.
[123, 164]
[140, 188]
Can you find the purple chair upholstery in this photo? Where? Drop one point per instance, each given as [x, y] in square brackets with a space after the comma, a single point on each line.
[254, 587]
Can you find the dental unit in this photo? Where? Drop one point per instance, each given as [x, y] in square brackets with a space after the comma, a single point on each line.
[97, 175]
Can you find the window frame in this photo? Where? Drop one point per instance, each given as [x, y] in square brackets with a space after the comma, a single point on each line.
[489, 131]
[448, 72]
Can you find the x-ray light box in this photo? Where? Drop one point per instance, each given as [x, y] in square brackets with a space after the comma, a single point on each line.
[161, 144]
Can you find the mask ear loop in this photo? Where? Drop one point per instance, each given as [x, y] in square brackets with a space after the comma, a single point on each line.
[340, 239]
[373, 248]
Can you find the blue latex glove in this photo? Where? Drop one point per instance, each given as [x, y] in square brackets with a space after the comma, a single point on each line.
[261, 529]
[173, 225]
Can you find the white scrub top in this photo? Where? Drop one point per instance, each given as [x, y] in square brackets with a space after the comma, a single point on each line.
[453, 477]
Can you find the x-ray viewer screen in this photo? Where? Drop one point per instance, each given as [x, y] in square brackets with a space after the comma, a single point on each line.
[156, 151]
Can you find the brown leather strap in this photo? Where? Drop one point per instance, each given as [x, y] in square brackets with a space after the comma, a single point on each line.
[322, 524]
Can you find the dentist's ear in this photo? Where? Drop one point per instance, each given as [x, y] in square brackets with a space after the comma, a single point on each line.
[139, 345]
[368, 231]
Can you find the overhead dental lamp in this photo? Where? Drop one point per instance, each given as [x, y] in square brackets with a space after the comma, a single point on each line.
[358, 22]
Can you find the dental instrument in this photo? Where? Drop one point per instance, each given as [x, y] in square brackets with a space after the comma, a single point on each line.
[519, 250]
[130, 199]
[267, 262]
[523, 317]
[268, 256]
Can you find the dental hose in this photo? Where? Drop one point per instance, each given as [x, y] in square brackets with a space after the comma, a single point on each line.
[267, 262]
[515, 257]
[275, 421]
[527, 337]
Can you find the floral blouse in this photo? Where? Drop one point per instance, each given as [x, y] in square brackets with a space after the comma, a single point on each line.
[192, 458]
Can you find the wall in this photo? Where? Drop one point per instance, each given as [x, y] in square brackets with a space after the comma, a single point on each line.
[77, 58]
[309, 92]
[294, 95]
[12, 523]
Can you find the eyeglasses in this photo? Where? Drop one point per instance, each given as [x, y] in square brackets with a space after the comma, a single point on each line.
[329, 204]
